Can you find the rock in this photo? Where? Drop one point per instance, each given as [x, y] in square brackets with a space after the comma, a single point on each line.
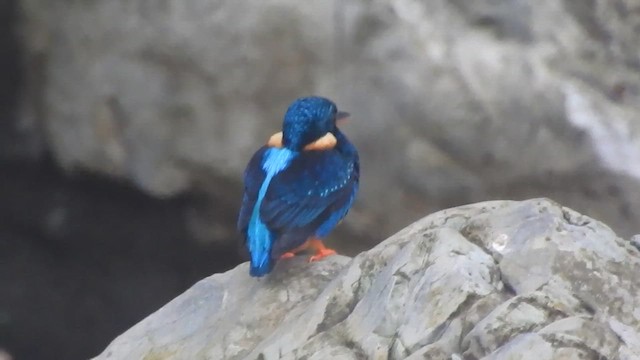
[5, 355]
[483, 100]
[635, 241]
[493, 280]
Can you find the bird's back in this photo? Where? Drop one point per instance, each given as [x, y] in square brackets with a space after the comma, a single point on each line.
[307, 196]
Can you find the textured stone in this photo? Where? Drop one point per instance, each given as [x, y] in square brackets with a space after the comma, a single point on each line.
[453, 285]
[453, 101]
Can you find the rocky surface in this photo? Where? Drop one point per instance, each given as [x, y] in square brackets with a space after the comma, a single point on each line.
[454, 102]
[493, 280]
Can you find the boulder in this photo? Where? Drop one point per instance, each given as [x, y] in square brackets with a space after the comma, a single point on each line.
[493, 280]
[453, 101]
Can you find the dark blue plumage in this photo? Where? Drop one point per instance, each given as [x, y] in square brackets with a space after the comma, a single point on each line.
[296, 192]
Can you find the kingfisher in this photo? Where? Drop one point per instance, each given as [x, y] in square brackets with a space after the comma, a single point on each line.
[298, 186]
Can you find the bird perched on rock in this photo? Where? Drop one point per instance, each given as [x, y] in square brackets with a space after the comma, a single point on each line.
[298, 186]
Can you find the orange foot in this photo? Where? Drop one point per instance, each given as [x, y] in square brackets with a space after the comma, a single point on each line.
[291, 253]
[321, 250]
[287, 255]
[322, 254]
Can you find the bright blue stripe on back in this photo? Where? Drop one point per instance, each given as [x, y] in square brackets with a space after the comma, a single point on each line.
[260, 238]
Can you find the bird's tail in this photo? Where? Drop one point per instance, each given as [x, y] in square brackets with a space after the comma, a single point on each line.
[259, 241]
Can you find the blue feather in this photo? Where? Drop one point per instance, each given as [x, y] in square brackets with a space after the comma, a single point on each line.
[291, 194]
[338, 215]
[311, 196]
[260, 238]
[253, 179]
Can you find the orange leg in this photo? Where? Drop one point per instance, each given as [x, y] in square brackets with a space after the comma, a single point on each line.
[293, 252]
[321, 250]
[313, 243]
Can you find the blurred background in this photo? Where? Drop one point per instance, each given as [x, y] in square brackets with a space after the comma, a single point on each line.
[126, 125]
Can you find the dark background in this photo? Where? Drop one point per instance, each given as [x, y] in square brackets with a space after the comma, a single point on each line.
[83, 256]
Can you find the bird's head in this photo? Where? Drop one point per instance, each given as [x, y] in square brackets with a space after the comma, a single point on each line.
[308, 119]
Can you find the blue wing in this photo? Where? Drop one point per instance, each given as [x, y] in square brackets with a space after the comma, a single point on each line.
[309, 197]
[258, 238]
[254, 176]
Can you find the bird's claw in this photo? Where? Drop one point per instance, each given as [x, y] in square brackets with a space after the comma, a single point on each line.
[322, 254]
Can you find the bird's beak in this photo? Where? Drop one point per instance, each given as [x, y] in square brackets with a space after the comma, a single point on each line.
[341, 117]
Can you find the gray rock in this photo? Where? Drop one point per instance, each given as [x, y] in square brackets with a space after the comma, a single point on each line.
[493, 280]
[454, 102]
[635, 241]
